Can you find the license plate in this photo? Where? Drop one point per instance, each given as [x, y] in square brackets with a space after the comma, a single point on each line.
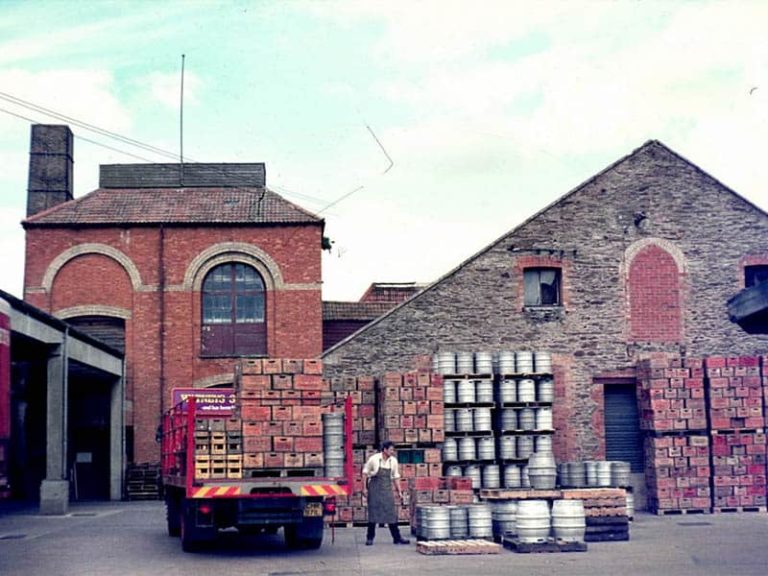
[313, 509]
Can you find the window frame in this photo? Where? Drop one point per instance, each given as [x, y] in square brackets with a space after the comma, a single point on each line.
[225, 331]
[557, 282]
[752, 274]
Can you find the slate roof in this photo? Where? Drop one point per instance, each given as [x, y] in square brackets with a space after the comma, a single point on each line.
[336, 310]
[189, 205]
[650, 145]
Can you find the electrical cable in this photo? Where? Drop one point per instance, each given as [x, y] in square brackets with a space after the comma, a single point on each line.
[150, 148]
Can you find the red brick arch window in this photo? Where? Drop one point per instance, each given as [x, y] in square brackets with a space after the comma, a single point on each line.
[234, 312]
[655, 296]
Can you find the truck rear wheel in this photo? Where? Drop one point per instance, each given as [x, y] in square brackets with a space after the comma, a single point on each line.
[173, 515]
[193, 537]
[190, 540]
[306, 536]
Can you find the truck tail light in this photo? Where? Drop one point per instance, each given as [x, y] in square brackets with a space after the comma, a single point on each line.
[329, 506]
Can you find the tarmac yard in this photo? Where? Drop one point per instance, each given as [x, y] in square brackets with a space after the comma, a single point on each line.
[129, 539]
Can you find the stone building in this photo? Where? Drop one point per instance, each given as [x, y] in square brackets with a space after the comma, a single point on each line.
[641, 258]
[184, 267]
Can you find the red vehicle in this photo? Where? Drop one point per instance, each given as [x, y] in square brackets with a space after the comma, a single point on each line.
[265, 500]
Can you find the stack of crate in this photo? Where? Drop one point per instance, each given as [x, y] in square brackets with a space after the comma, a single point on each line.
[738, 459]
[411, 414]
[677, 450]
[605, 512]
[411, 408]
[735, 393]
[671, 396]
[736, 398]
[217, 455]
[280, 417]
[277, 424]
[362, 391]
[439, 490]
[678, 473]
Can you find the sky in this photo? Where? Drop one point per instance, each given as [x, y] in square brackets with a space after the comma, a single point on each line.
[421, 131]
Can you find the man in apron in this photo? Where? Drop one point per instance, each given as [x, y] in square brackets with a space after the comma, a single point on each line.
[380, 475]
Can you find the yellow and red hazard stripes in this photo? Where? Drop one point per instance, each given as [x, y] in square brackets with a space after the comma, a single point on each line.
[216, 492]
[322, 490]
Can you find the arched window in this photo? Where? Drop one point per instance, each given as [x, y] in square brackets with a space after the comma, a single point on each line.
[234, 312]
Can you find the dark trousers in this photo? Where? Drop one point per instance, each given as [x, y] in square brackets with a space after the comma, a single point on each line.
[393, 529]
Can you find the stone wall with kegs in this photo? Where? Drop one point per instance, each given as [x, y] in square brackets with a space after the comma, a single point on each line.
[498, 416]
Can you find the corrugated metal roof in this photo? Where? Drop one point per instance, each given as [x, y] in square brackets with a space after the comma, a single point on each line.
[210, 205]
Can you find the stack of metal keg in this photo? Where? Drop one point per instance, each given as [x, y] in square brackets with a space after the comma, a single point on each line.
[524, 379]
[443, 522]
[333, 444]
[536, 522]
[594, 474]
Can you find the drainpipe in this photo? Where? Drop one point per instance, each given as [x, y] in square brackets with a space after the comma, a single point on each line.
[65, 402]
[161, 282]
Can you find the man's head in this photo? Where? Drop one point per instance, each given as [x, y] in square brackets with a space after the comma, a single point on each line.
[388, 448]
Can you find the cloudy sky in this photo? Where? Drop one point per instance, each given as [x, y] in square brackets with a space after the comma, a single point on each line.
[421, 131]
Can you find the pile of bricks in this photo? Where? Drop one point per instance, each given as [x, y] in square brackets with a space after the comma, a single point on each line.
[411, 408]
[738, 470]
[678, 473]
[735, 393]
[671, 395]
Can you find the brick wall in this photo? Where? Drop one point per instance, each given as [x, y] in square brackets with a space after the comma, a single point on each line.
[705, 228]
[126, 270]
[655, 306]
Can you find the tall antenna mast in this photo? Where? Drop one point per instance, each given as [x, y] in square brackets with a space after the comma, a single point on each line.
[181, 125]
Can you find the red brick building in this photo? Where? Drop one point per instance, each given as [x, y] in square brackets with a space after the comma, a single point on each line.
[185, 267]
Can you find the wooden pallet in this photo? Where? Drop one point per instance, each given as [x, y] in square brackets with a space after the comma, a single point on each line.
[153, 495]
[363, 524]
[612, 536]
[730, 509]
[543, 547]
[682, 511]
[457, 547]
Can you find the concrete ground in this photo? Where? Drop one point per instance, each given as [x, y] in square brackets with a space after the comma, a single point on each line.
[129, 538]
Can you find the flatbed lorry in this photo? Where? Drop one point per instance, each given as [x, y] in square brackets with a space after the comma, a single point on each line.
[199, 504]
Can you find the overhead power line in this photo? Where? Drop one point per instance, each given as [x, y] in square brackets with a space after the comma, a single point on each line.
[15, 100]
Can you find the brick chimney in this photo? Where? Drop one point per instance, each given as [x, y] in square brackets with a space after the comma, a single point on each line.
[50, 167]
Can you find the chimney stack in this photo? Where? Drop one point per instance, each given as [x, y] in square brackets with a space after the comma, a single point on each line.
[50, 167]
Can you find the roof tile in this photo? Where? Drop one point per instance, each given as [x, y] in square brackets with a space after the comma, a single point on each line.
[175, 206]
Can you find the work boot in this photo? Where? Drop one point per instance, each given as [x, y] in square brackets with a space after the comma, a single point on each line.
[369, 541]
[402, 541]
